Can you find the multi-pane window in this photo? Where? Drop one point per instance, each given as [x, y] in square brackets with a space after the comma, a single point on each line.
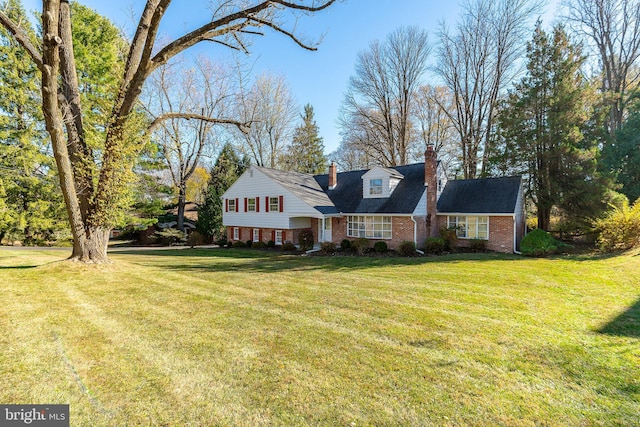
[236, 233]
[470, 227]
[232, 205]
[251, 205]
[375, 186]
[256, 234]
[274, 204]
[370, 227]
[278, 237]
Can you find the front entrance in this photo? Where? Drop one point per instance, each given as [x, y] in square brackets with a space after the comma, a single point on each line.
[324, 230]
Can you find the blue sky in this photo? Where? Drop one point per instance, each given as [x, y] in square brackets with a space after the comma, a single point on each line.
[319, 78]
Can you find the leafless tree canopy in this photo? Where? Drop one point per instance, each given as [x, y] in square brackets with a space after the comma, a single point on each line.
[476, 62]
[613, 28]
[94, 190]
[186, 104]
[376, 113]
[270, 109]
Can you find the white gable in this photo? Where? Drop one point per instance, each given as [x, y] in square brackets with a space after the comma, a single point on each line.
[380, 182]
[254, 184]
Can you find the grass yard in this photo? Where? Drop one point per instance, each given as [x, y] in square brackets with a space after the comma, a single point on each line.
[229, 337]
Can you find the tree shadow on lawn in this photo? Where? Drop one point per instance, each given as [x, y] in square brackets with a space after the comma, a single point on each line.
[626, 324]
[225, 260]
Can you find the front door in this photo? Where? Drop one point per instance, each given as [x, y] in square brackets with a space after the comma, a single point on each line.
[326, 235]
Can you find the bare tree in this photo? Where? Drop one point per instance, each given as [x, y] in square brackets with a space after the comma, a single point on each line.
[613, 27]
[377, 107]
[433, 109]
[475, 63]
[271, 110]
[93, 189]
[175, 95]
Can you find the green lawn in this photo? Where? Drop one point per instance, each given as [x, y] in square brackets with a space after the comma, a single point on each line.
[228, 337]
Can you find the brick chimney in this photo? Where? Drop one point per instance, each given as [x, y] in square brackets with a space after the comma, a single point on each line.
[431, 182]
[333, 176]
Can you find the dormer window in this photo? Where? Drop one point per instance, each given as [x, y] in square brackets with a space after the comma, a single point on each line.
[375, 186]
[379, 182]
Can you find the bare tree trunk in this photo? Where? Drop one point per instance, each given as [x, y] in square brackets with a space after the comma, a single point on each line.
[92, 246]
[182, 200]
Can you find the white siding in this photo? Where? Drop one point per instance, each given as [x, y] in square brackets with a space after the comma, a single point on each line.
[388, 183]
[254, 183]
[421, 207]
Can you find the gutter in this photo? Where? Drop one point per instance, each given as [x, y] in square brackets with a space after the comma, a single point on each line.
[415, 235]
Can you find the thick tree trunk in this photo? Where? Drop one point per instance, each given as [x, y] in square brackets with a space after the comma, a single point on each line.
[92, 247]
[544, 217]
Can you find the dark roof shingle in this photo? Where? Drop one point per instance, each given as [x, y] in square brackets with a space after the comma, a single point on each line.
[484, 195]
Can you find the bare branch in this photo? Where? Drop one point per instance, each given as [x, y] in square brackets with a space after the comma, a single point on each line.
[22, 38]
[242, 126]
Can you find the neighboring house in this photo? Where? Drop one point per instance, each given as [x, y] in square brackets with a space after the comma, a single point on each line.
[388, 204]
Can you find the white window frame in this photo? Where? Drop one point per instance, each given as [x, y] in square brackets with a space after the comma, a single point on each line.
[469, 226]
[256, 234]
[370, 227]
[251, 204]
[375, 189]
[230, 203]
[236, 233]
[278, 237]
[274, 207]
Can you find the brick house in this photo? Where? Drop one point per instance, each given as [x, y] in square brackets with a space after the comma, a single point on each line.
[381, 204]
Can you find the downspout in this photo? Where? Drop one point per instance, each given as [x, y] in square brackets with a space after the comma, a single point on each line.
[415, 235]
[515, 236]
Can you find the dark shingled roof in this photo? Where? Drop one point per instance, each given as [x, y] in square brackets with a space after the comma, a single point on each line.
[347, 196]
[485, 195]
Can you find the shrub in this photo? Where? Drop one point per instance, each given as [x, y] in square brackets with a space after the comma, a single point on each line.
[328, 247]
[407, 248]
[345, 245]
[540, 243]
[305, 239]
[222, 242]
[229, 244]
[259, 245]
[360, 245]
[478, 245]
[435, 245]
[196, 239]
[239, 244]
[170, 236]
[249, 243]
[380, 247]
[620, 229]
[449, 236]
[271, 244]
[289, 247]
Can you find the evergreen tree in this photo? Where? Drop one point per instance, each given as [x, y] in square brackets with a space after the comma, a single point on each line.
[226, 171]
[543, 126]
[306, 152]
[32, 207]
[623, 156]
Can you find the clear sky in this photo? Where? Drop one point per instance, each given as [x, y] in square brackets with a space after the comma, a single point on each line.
[319, 78]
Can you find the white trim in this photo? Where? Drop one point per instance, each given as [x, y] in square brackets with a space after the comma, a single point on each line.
[415, 231]
[236, 233]
[255, 235]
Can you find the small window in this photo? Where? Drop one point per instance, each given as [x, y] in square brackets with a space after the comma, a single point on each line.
[256, 235]
[251, 205]
[236, 233]
[232, 205]
[274, 204]
[375, 186]
[278, 237]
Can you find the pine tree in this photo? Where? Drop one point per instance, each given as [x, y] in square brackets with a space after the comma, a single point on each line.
[32, 207]
[543, 131]
[226, 171]
[306, 152]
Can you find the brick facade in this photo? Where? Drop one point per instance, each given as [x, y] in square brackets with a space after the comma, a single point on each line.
[500, 233]
[246, 233]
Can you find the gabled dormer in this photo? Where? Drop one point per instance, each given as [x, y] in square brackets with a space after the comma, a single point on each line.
[380, 182]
